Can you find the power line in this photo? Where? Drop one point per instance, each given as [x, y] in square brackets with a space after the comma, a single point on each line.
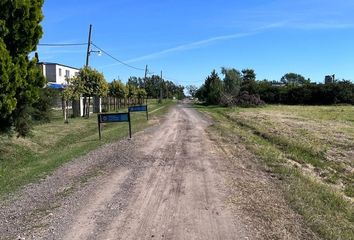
[61, 44]
[126, 64]
[103, 51]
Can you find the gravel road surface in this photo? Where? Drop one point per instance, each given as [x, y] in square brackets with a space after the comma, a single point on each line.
[169, 182]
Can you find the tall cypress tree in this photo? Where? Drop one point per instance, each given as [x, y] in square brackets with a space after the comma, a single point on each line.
[213, 88]
[20, 77]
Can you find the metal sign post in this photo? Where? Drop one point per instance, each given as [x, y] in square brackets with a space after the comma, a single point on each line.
[113, 117]
[141, 108]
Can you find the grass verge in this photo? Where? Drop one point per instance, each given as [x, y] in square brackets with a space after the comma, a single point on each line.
[24, 160]
[310, 149]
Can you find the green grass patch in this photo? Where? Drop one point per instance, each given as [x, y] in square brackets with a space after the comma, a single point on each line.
[272, 134]
[24, 160]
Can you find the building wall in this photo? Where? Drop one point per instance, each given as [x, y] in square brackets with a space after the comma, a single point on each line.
[56, 73]
[50, 73]
[63, 72]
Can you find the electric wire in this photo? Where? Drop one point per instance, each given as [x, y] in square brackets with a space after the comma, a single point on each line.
[103, 51]
[61, 44]
[126, 64]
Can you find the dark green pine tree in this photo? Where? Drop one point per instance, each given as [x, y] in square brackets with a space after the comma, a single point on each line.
[20, 77]
[213, 88]
[249, 83]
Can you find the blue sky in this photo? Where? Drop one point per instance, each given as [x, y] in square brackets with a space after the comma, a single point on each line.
[187, 39]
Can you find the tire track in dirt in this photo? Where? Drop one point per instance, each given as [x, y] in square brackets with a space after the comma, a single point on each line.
[84, 223]
[177, 197]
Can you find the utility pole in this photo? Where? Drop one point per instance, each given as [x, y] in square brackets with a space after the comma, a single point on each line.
[86, 109]
[88, 46]
[160, 99]
[146, 71]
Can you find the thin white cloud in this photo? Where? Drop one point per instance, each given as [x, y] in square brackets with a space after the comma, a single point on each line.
[199, 44]
[190, 46]
[202, 43]
[205, 42]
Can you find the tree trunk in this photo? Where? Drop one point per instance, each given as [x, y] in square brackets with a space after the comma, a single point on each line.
[76, 108]
[63, 106]
[66, 108]
[88, 107]
[109, 104]
[84, 107]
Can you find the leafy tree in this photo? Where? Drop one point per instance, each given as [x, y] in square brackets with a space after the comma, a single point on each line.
[152, 87]
[345, 91]
[121, 90]
[298, 95]
[168, 89]
[201, 93]
[141, 94]
[192, 90]
[133, 81]
[93, 85]
[117, 90]
[132, 92]
[20, 78]
[293, 79]
[269, 91]
[249, 81]
[179, 92]
[248, 75]
[72, 91]
[232, 81]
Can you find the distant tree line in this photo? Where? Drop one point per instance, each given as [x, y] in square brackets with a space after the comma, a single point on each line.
[242, 88]
[157, 87]
[137, 89]
[309, 93]
[89, 83]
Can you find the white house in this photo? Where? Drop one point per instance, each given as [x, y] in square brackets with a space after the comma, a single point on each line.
[56, 73]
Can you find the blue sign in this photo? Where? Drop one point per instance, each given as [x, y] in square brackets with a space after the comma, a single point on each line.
[114, 117]
[142, 108]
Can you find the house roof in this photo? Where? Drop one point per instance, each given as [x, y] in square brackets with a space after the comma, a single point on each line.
[51, 63]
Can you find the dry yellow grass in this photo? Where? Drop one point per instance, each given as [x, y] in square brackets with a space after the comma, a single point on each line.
[311, 149]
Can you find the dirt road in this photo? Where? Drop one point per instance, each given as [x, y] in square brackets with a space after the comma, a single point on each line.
[169, 182]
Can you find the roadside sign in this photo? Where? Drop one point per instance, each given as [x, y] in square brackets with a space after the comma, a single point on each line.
[140, 108]
[117, 117]
[113, 117]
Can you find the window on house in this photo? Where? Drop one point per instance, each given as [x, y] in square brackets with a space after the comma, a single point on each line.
[59, 72]
[67, 73]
